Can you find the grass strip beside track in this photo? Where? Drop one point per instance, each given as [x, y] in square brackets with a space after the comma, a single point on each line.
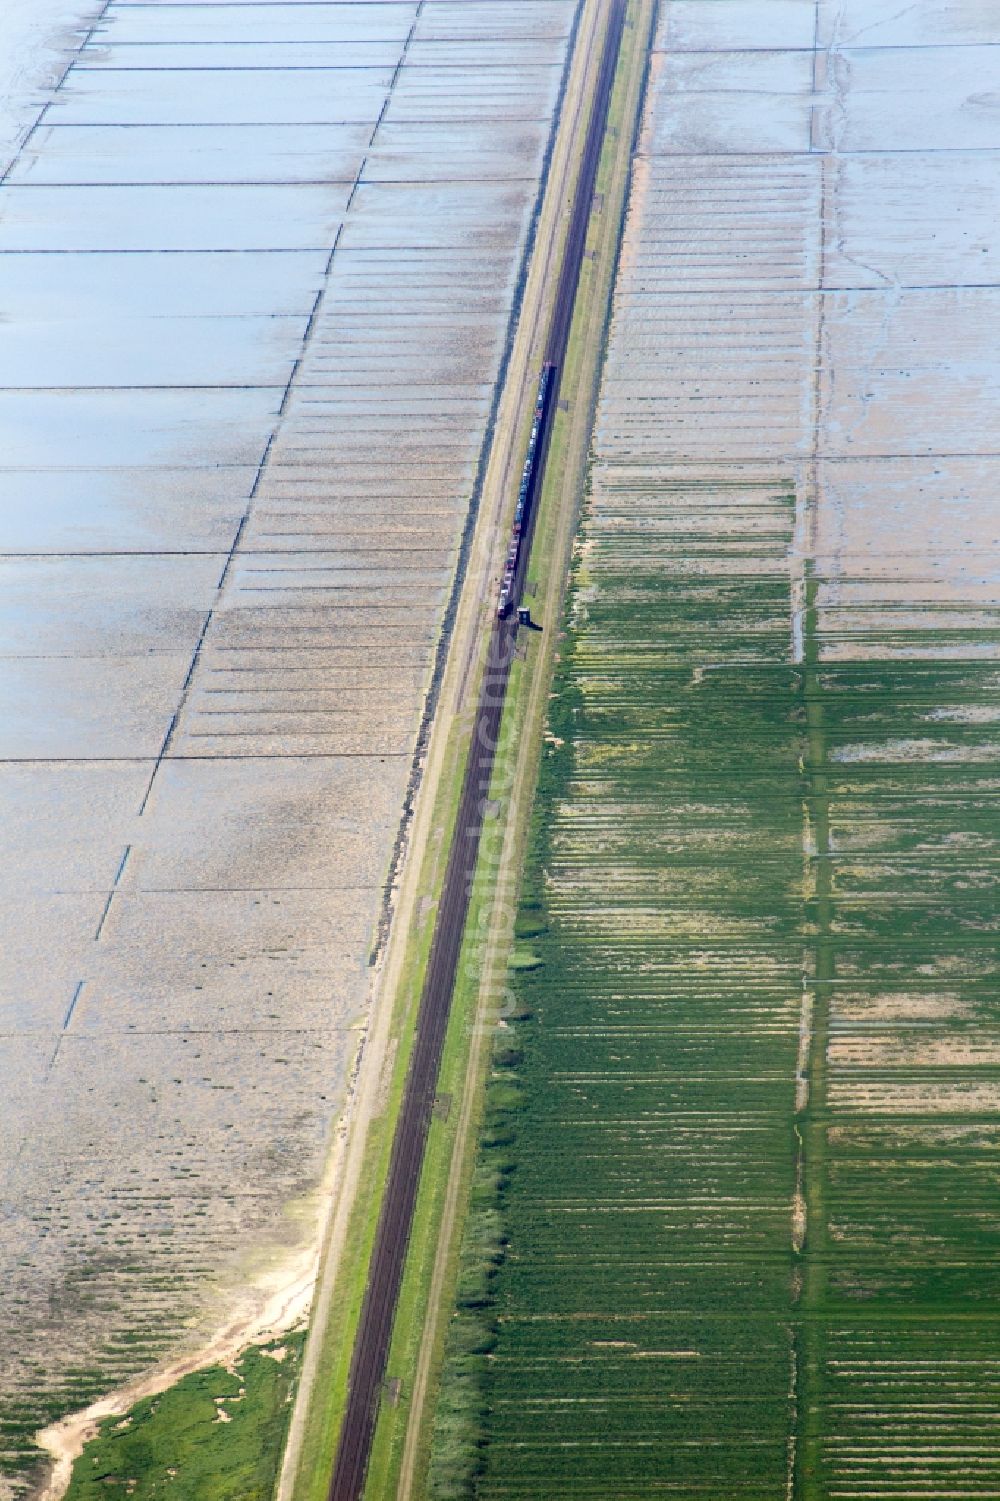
[324, 1388]
[329, 1389]
[401, 1447]
[366, 1379]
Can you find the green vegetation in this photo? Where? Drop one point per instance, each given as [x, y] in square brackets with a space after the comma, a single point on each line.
[434, 1254]
[328, 1392]
[899, 1380]
[462, 1414]
[122, 1354]
[734, 1229]
[216, 1435]
[424, 1245]
[624, 1316]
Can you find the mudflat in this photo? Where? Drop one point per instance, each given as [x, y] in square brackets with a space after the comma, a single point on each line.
[259, 265]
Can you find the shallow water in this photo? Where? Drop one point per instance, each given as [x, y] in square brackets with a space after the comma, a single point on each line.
[38, 39]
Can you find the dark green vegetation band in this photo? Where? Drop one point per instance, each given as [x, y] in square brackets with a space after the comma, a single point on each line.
[734, 1225]
[217, 1435]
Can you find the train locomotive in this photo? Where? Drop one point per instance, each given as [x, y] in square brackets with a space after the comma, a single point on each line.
[526, 491]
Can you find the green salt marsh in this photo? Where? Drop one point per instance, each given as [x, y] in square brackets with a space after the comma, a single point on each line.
[734, 1230]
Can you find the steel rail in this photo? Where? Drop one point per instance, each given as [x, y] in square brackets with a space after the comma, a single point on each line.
[385, 1272]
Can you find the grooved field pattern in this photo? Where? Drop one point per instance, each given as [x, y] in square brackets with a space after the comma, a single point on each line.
[258, 263]
[751, 1201]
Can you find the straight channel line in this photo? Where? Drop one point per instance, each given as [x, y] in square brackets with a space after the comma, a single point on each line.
[374, 1332]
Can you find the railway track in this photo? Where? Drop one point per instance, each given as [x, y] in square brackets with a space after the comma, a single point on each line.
[371, 1346]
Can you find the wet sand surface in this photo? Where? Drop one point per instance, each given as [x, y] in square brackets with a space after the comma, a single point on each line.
[783, 711]
[257, 264]
[38, 41]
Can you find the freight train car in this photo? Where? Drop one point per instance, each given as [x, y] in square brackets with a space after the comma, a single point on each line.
[527, 489]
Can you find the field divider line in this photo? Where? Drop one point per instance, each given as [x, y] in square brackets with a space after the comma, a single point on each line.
[806, 1482]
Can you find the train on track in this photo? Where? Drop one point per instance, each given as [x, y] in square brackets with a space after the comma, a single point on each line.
[526, 491]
